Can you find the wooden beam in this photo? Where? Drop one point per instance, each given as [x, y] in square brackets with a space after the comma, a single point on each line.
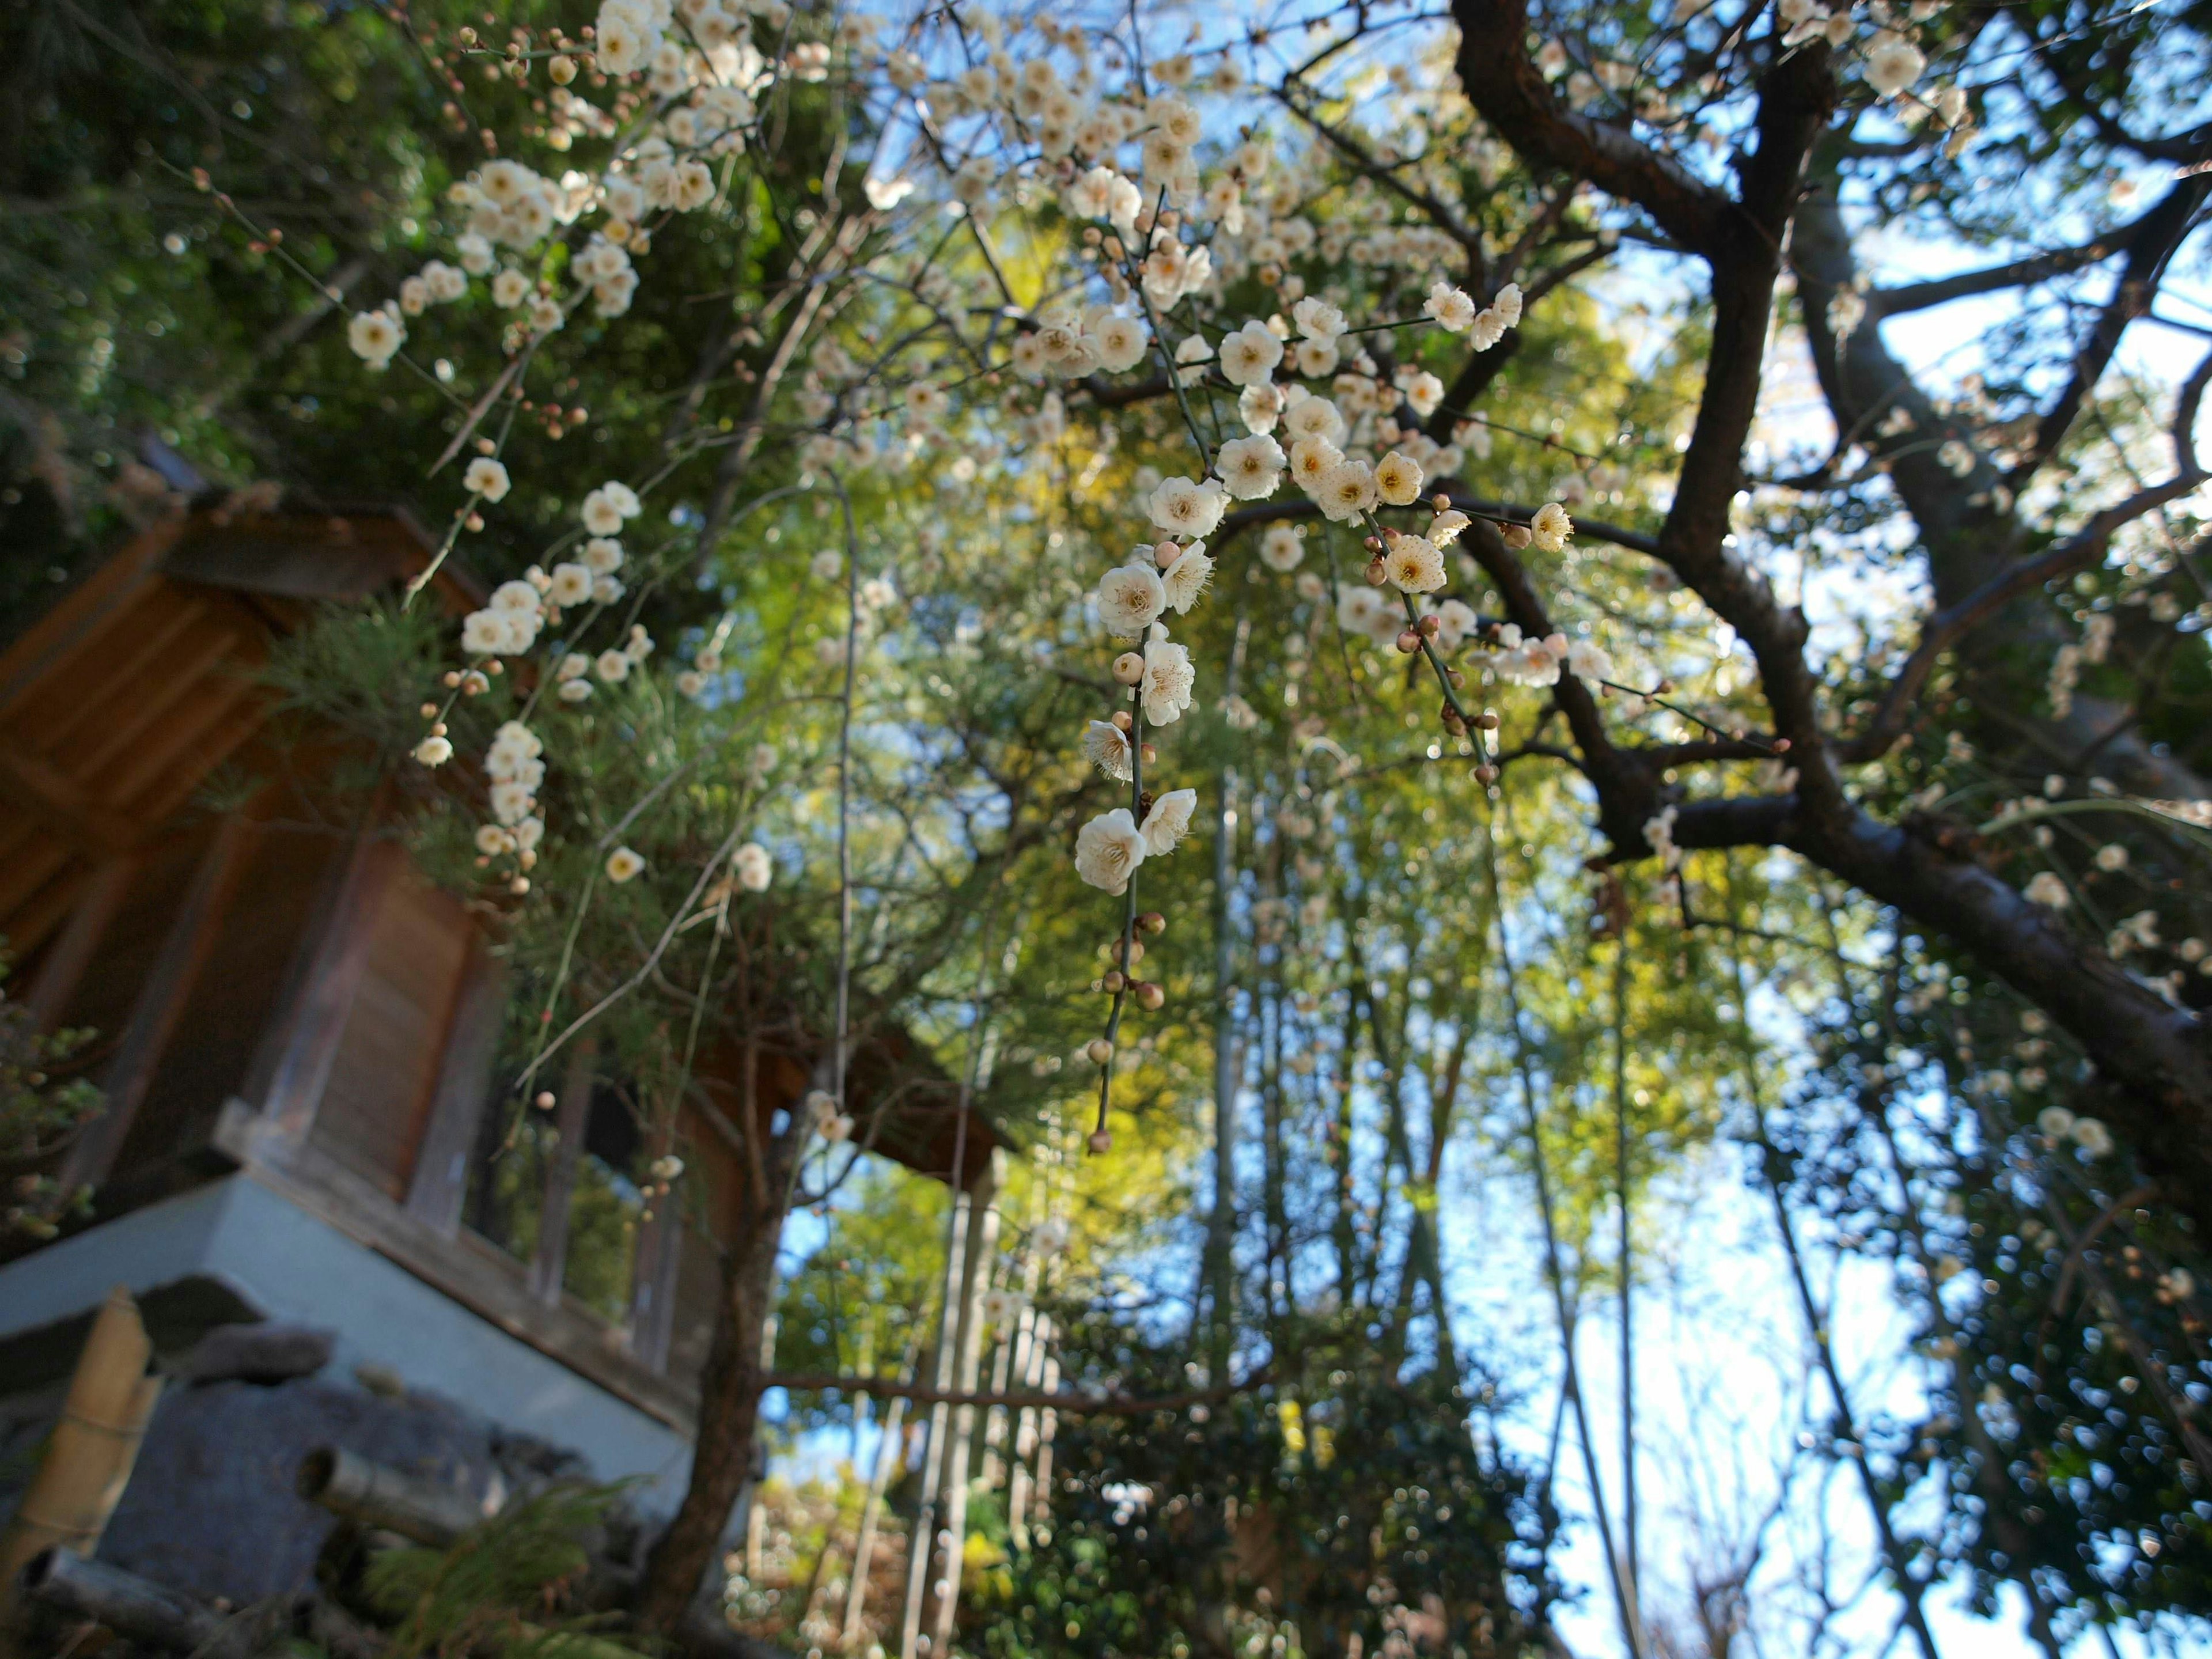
[1098, 1405]
[440, 1187]
[39, 784]
[71, 626]
[316, 1021]
[64, 964]
[549, 1266]
[161, 1002]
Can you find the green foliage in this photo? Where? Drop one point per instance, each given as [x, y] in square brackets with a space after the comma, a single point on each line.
[505, 1584]
[39, 1112]
[1347, 1505]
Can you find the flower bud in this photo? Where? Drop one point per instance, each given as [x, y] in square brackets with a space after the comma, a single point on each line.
[1129, 952]
[1100, 1051]
[1432, 625]
[1486, 773]
[1487, 720]
[1456, 680]
[1167, 553]
[1409, 641]
[1121, 720]
[563, 70]
[1377, 573]
[1515, 536]
[544, 1101]
[1114, 980]
[1453, 723]
[1129, 668]
[1100, 1142]
[1150, 997]
[1441, 502]
[1148, 752]
[1151, 922]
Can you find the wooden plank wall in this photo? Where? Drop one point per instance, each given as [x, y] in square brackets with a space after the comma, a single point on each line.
[390, 1047]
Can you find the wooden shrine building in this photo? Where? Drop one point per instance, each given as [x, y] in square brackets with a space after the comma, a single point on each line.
[297, 1034]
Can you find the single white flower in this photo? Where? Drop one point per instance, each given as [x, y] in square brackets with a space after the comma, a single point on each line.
[1317, 319]
[2045, 887]
[1259, 406]
[1167, 682]
[1186, 579]
[1121, 343]
[1414, 565]
[1452, 310]
[1107, 747]
[1446, 528]
[1551, 528]
[434, 751]
[1586, 660]
[601, 516]
[1249, 354]
[376, 336]
[1169, 821]
[1130, 598]
[1398, 479]
[1313, 418]
[1280, 547]
[1181, 507]
[603, 555]
[1892, 64]
[1109, 849]
[1251, 468]
[622, 865]
[613, 667]
[572, 585]
[752, 867]
[1345, 491]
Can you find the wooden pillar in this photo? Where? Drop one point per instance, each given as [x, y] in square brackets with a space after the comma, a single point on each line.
[65, 963]
[308, 1045]
[655, 1274]
[160, 1003]
[572, 1112]
[439, 1190]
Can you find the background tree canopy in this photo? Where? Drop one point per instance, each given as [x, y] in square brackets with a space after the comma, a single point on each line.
[1741, 962]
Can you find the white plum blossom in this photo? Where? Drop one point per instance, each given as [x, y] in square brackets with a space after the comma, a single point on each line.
[1186, 578]
[376, 336]
[1109, 849]
[1167, 682]
[1169, 821]
[1130, 598]
[1551, 528]
[1249, 354]
[752, 867]
[1280, 547]
[1345, 491]
[624, 865]
[1181, 507]
[1413, 564]
[1451, 309]
[486, 477]
[1251, 468]
[2047, 888]
[1317, 319]
[1892, 64]
[1398, 479]
[1587, 660]
[1107, 747]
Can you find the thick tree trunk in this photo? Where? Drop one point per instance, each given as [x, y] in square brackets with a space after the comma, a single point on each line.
[729, 1410]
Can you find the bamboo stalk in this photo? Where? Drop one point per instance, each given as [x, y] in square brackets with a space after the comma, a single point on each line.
[377, 1495]
[90, 1454]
